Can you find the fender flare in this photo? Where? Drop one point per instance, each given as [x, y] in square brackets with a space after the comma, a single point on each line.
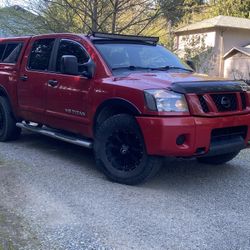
[4, 92]
[113, 103]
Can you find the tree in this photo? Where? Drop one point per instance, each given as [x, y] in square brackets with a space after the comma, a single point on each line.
[116, 16]
[172, 10]
[175, 10]
[85, 16]
[202, 55]
[237, 8]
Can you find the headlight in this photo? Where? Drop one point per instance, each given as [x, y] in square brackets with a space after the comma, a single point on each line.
[165, 101]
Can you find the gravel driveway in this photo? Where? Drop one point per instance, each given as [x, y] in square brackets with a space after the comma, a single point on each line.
[52, 197]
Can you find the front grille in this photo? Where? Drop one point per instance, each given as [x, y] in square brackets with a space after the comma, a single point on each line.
[203, 104]
[221, 134]
[243, 100]
[225, 102]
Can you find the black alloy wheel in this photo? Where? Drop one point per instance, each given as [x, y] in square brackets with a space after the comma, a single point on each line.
[120, 151]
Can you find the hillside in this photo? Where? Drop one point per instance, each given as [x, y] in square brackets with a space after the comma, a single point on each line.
[15, 21]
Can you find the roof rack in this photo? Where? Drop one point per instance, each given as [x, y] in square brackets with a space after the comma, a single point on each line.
[111, 36]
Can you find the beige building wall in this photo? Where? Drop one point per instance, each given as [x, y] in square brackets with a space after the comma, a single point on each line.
[203, 38]
[209, 39]
[225, 40]
[237, 67]
[235, 38]
[221, 40]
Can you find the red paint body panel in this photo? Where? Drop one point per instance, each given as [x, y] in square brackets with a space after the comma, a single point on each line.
[34, 100]
[9, 73]
[160, 134]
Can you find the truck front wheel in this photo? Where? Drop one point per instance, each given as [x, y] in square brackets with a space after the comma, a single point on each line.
[120, 151]
[8, 129]
[217, 159]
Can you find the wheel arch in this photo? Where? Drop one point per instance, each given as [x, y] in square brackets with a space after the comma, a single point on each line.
[4, 93]
[112, 107]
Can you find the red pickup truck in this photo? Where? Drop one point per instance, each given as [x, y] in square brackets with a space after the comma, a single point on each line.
[127, 97]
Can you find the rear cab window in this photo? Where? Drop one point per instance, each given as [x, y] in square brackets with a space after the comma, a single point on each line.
[2, 48]
[10, 52]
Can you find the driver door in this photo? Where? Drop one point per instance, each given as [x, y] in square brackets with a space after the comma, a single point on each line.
[67, 95]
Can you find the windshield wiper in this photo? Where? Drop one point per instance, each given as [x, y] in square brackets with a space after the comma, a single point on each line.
[131, 67]
[168, 67]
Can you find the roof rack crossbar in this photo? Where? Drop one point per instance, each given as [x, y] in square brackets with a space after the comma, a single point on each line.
[125, 37]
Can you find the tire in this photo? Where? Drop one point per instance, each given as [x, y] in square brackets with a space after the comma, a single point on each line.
[8, 129]
[218, 159]
[120, 151]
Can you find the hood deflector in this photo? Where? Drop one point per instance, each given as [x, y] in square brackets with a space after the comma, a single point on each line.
[202, 87]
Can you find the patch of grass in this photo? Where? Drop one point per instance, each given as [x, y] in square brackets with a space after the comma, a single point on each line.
[9, 246]
[2, 164]
[15, 233]
[2, 220]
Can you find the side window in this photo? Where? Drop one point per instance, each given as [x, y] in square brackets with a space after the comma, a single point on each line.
[12, 52]
[2, 48]
[67, 47]
[40, 54]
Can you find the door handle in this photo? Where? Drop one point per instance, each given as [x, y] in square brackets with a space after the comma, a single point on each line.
[23, 78]
[52, 83]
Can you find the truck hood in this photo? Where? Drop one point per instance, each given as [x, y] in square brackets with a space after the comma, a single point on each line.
[162, 79]
[181, 82]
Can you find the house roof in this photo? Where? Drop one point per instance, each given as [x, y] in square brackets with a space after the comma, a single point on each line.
[218, 21]
[243, 50]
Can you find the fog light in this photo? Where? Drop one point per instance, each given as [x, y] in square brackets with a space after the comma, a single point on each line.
[180, 140]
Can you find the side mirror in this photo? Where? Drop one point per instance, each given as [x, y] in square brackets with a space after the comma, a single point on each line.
[90, 69]
[191, 64]
[69, 65]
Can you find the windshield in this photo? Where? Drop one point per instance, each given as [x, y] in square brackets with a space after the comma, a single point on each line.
[128, 57]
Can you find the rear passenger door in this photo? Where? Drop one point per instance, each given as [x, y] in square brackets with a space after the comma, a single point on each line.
[34, 76]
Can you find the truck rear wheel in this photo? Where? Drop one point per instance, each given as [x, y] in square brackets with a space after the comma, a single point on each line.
[8, 129]
[120, 151]
[217, 159]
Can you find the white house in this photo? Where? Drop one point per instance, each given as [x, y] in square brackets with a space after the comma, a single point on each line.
[217, 36]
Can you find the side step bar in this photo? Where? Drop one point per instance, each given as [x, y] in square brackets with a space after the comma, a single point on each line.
[57, 135]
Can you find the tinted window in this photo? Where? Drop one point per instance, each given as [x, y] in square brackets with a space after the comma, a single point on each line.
[67, 47]
[40, 54]
[12, 52]
[121, 55]
[2, 48]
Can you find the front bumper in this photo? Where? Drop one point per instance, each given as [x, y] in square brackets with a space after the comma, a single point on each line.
[160, 135]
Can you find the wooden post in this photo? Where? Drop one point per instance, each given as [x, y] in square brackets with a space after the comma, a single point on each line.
[221, 66]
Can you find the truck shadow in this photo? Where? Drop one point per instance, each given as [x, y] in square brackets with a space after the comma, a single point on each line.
[183, 174]
[63, 150]
[174, 174]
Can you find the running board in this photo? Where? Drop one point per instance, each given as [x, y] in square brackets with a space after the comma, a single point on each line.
[57, 135]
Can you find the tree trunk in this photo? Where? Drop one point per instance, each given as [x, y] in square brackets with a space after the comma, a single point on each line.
[94, 20]
[113, 29]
